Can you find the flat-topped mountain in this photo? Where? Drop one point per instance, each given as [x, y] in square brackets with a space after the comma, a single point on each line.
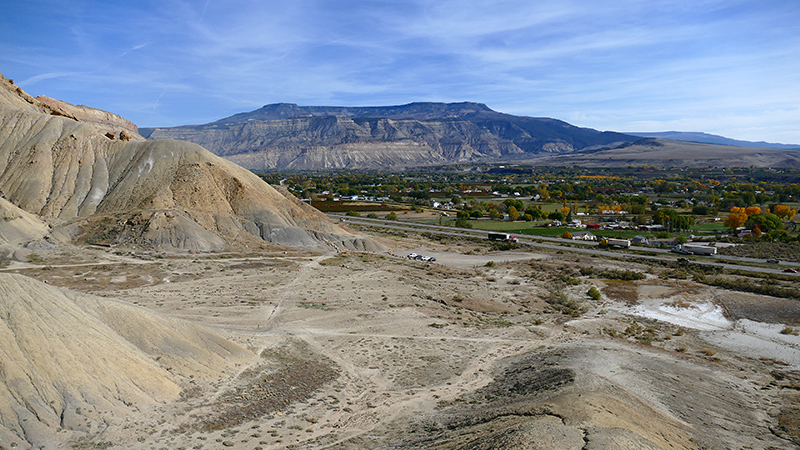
[287, 136]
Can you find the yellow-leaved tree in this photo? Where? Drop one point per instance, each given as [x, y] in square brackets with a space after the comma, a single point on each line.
[737, 218]
[784, 212]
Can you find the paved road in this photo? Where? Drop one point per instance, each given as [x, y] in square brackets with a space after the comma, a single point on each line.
[728, 262]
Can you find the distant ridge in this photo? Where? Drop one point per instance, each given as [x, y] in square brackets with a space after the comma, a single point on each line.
[705, 138]
[286, 136]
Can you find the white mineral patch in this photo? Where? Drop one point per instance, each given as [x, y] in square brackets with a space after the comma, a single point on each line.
[704, 316]
[758, 340]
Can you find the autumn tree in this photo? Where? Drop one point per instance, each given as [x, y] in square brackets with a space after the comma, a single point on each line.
[752, 210]
[513, 214]
[737, 218]
[784, 212]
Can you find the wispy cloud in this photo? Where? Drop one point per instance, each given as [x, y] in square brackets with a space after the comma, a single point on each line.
[46, 76]
[699, 64]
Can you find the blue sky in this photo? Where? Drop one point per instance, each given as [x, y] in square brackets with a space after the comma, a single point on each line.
[725, 67]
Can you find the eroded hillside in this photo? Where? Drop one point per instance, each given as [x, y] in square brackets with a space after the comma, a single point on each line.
[172, 194]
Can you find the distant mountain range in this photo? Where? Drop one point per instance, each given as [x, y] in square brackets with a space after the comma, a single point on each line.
[286, 136]
[706, 138]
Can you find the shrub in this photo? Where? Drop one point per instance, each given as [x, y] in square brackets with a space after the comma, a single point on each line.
[747, 285]
[567, 235]
[504, 245]
[391, 216]
[564, 304]
[594, 293]
[625, 275]
[353, 213]
[462, 222]
[372, 216]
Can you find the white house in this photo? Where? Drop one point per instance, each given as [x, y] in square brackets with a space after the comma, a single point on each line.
[583, 236]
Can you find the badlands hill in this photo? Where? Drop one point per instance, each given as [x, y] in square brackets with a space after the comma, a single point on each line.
[18, 226]
[67, 359]
[90, 173]
[291, 137]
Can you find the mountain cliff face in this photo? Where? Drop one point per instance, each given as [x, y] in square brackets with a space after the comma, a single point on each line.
[287, 136]
[158, 194]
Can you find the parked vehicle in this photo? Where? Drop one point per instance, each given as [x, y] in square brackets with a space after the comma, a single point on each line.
[693, 249]
[418, 257]
[502, 237]
[618, 243]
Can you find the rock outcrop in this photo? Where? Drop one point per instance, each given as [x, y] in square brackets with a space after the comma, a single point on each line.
[114, 125]
[159, 194]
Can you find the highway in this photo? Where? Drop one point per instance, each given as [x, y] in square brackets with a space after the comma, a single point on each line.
[590, 248]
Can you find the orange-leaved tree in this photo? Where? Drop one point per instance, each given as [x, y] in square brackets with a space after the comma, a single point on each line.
[737, 218]
[752, 210]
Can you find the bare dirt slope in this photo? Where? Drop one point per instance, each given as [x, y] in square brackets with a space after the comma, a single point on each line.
[76, 363]
[18, 226]
[172, 194]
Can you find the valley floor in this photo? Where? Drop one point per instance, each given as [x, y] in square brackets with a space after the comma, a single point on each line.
[480, 350]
